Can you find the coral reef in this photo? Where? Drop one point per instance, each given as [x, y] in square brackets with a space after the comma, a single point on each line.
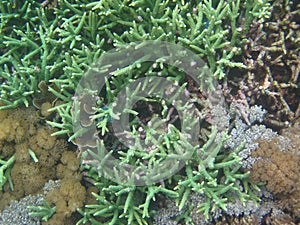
[39, 157]
[45, 211]
[18, 213]
[263, 154]
[35, 151]
[46, 48]
[279, 169]
[272, 57]
[217, 179]
[247, 129]
[71, 194]
[67, 199]
[167, 212]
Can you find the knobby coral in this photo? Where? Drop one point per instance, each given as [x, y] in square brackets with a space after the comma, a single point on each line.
[37, 157]
[278, 166]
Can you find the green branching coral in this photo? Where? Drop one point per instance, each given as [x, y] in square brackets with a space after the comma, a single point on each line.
[58, 43]
[218, 177]
[44, 212]
[25, 50]
[213, 31]
[119, 205]
[5, 169]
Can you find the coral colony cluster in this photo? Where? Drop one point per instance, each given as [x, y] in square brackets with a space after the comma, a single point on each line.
[243, 167]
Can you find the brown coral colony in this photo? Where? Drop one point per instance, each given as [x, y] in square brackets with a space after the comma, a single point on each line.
[22, 130]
